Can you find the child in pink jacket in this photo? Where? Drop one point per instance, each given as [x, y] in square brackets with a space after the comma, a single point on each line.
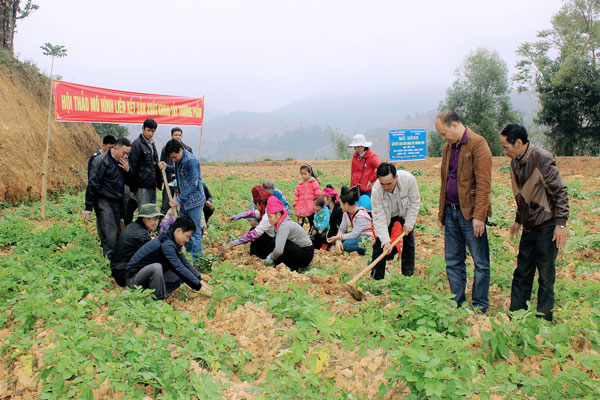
[307, 190]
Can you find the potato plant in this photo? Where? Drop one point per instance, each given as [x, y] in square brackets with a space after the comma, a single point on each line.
[66, 331]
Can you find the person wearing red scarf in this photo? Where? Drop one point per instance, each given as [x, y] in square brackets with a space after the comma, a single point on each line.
[293, 246]
[261, 236]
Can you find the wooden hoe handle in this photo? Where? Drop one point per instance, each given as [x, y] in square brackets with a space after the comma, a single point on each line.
[370, 266]
[167, 188]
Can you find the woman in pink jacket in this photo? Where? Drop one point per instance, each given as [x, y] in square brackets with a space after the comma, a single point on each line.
[364, 165]
[307, 190]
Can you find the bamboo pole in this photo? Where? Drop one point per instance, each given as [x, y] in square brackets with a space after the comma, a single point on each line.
[47, 155]
[201, 130]
[200, 145]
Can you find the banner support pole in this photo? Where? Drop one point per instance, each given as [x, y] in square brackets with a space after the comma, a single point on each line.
[201, 130]
[47, 155]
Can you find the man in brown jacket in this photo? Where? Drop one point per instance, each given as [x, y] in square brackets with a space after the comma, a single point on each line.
[542, 210]
[465, 206]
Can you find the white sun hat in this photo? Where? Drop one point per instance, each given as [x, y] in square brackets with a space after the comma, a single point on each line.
[360, 140]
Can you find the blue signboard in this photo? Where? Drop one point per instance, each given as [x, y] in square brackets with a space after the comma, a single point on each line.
[408, 145]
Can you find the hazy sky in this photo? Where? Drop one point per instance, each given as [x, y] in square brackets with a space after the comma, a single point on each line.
[261, 54]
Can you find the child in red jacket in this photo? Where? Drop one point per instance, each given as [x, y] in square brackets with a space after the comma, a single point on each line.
[307, 190]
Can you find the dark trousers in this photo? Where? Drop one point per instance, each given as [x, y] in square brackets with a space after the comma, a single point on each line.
[108, 222]
[408, 253]
[129, 205]
[262, 246]
[208, 211]
[318, 239]
[145, 196]
[152, 276]
[310, 219]
[119, 276]
[164, 206]
[295, 257]
[536, 250]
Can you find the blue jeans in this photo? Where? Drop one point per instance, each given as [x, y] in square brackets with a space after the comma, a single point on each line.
[194, 246]
[458, 236]
[351, 245]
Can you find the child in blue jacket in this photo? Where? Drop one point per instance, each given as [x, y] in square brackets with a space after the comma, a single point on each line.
[321, 223]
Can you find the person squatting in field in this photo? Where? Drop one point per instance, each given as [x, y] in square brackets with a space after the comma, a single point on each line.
[395, 200]
[132, 239]
[542, 211]
[269, 185]
[161, 265]
[307, 190]
[332, 200]
[104, 193]
[191, 191]
[319, 231]
[292, 244]
[261, 237]
[355, 218]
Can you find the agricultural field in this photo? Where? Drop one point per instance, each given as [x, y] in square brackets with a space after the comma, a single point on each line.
[67, 331]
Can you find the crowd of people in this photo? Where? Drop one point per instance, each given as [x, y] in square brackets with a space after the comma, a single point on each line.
[378, 209]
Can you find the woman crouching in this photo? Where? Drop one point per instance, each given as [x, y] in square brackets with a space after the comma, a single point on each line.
[356, 220]
[292, 244]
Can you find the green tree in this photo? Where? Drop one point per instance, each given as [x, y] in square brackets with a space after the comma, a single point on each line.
[340, 145]
[10, 12]
[435, 145]
[480, 95]
[562, 67]
[116, 130]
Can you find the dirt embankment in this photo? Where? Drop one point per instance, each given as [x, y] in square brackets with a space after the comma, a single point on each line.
[24, 96]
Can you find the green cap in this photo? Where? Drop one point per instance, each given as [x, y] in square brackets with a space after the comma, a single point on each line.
[149, 210]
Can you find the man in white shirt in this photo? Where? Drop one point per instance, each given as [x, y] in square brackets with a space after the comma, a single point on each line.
[395, 198]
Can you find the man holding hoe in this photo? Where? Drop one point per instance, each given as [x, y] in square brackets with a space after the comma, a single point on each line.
[395, 200]
[191, 192]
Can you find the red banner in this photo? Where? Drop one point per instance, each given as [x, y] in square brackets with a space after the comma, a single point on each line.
[79, 103]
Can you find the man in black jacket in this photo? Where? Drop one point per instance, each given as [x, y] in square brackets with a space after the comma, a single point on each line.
[176, 133]
[161, 265]
[104, 192]
[107, 143]
[132, 239]
[144, 165]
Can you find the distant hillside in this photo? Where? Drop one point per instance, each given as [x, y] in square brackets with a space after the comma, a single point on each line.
[301, 130]
[23, 128]
[360, 112]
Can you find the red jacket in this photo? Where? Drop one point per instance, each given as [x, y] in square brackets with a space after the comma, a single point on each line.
[306, 193]
[364, 170]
